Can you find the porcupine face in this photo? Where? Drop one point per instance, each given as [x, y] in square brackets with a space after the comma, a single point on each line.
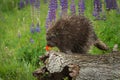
[53, 35]
[51, 38]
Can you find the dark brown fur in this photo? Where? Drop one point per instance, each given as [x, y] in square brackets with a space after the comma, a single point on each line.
[71, 34]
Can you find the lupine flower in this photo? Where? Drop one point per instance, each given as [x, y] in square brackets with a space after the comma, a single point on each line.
[37, 28]
[95, 12]
[53, 5]
[111, 4]
[51, 12]
[114, 4]
[64, 6]
[51, 15]
[31, 40]
[108, 4]
[32, 2]
[72, 7]
[81, 7]
[32, 29]
[21, 4]
[98, 5]
[97, 9]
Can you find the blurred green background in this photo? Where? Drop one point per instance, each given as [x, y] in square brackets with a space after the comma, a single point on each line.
[19, 57]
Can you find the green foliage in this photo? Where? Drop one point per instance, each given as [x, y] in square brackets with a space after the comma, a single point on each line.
[66, 78]
[8, 5]
[19, 57]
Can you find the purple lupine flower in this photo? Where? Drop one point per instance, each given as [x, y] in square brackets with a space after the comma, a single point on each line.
[64, 6]
[108, 3]
[72, 7]
[111, 4]
[114, 4]
[32, 29]
[37, 28]
[95, 12]
[53, 5]
[52, 10]
[31, 40]
[32, 2]
[21, 4]
[98, 4]
[51, 15]
[81, 7]
[97, 9]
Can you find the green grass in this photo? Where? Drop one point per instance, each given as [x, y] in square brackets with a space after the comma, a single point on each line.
[19, 57]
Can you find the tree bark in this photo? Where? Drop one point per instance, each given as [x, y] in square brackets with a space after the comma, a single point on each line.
[58, 65]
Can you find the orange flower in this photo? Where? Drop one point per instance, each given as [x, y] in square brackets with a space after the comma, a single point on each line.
[48, 48]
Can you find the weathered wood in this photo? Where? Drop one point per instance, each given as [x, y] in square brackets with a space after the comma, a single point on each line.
[79, 66]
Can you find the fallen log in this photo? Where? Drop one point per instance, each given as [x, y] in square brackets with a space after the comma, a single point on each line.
[58, 65]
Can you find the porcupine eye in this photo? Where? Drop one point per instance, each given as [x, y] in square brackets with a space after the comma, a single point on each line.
[54, 35]
[51, 37]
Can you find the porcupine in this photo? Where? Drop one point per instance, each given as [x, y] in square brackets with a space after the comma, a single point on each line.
[73, 34]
